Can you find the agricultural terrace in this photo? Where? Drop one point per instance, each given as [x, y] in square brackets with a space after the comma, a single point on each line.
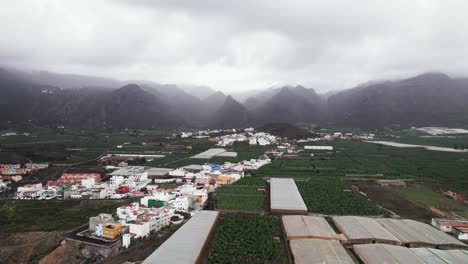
[352, 159]
[426, 197]
[248, 239]
[251, 181]
[71, 147]
[329, 195]
[52, 215]
[239, 197]
[175, 160]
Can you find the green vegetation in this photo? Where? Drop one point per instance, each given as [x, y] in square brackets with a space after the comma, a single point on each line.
[253, 181]
[285, 130]
[329, 196]
[426, 197]
[247, 239]
[460, 141]
[175, 160]
[444, 169]
[73, 146]
[238, 189]
[25, 216]
[239, 197]
[239, 202]
[28, 247]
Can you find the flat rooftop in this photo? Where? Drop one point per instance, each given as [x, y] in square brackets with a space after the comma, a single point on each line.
[318, 251]
[285, 197]
[363, 228]
[158, 171]
[128, 171]
[186, 244]
[381, 253]
[410, 231]
[228, 154]
[209, 153]
[430, 255]
[192, 167]
[304, 226]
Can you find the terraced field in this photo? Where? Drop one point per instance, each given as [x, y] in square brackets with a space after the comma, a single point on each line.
[239, 197]
[248, 239]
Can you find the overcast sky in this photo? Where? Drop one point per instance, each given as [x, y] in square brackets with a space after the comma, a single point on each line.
[238, 45]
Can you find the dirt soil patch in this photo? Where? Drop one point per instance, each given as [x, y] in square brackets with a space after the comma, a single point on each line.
[392, 201]
[27, 247]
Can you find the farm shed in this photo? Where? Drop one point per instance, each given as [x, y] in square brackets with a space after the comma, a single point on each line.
[188, 244]
[285, 197]
[208, 154]
[319, 147]
[364, 230]
[431, 255]
[304, 226]
[414, 234]
[317, 251]
[228, 154]
[389, 254]
[380, 253]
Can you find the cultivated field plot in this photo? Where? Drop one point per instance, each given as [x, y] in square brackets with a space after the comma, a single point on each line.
[239, 197]
[248, 239]
[391, 200]
[47, 215]
[445, 169]
[73, 146]
[250, 181]
[329, 196]
[176, 160]
[426, 197]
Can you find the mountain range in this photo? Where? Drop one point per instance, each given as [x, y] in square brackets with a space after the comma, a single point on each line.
[93, 103]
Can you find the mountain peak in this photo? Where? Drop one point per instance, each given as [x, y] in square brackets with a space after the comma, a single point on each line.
[131, 87]
[430, 77]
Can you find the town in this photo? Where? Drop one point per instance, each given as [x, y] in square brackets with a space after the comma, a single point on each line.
[181, 192]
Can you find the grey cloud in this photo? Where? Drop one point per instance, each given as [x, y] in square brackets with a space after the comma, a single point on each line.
[233, 45]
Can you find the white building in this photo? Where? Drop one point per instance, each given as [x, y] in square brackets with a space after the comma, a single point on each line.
[142, 220]
[181, 203]
[177, 172]
[116, 181]
[140, 228]
[186, 134]
[461, 232]
[126, 240]
[29, 192]
[456, 227]
[318, 147]
[161, 196]
[88, 183]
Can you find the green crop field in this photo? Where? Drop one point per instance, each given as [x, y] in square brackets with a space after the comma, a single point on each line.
[253, 181]
[446, 169]
[53, 215]
[426, 197]
[239, 197]
[238, 189]
[247, 239]
[330, 196]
